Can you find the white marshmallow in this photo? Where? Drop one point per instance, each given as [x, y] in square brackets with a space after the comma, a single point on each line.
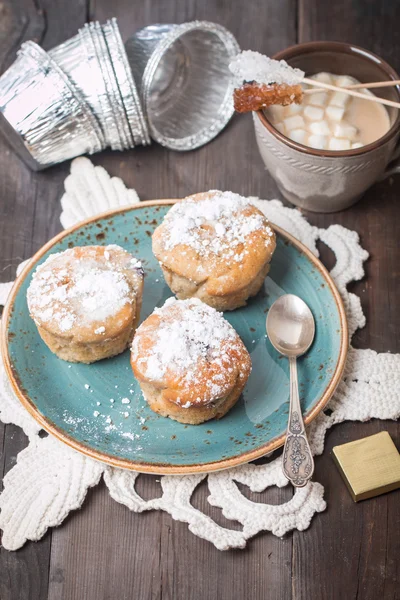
[323, 77]
[356, 145]
[335, 113]
[295, 122]
[318, 99]
[276, 111]
[298, 135]
[345, 81]
[338, 144]
[345, 130]
[293, 109]
[339, 99]
[280, 127]
[315, 113]
[318, 141]
[320, 128]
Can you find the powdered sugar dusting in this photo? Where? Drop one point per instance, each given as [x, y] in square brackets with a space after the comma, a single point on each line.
[253, 66]
[73, 289]
[189, 334]
[214, 225]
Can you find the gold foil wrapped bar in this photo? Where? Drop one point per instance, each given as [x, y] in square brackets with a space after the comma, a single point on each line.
[370, 466]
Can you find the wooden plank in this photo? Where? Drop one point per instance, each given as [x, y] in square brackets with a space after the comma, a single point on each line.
[105, 551]
[23, 574]
[350, 551]
[194, 569]
[20, 20]
[29, 203]
[367, 24]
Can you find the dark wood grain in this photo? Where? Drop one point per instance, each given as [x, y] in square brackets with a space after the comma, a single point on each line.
[23, 574]
[103, 551]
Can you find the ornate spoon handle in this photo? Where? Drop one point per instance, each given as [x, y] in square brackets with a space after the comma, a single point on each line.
[298, 463]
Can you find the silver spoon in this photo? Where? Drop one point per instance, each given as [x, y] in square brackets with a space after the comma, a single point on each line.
[291, 329]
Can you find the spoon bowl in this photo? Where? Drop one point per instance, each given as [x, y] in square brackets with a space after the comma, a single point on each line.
[290, 325]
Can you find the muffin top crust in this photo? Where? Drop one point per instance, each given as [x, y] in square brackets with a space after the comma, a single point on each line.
[190, 350]
[216, 237]
[87, 293]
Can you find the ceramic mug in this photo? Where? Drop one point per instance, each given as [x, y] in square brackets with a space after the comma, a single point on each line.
[326, 180]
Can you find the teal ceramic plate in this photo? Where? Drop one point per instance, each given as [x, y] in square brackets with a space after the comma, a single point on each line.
[74, 401]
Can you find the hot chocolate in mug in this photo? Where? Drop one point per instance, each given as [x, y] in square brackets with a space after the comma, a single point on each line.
[328, 180]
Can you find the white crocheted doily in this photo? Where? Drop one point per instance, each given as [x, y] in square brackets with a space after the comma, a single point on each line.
[49, 479]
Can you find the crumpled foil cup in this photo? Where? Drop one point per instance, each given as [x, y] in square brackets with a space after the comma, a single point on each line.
[126, 83]
[81, 97]
[78, 59]
[103, 58]
[43, 115]
[186, 86]
[95, 60]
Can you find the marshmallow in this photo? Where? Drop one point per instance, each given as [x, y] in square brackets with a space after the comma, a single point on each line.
[276, 111]
[323, 77]
[345, 81]
[345, 130]
[295, 122]
[314, 113]
[280, 127]
[320, 128]
[335, 113]
[318, 99]
[338, 144]
[298, 135]
[339, 99]
[318, 141]
[356, 145]
[293, 109]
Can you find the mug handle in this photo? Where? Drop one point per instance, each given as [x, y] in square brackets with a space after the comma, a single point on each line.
[393, 167]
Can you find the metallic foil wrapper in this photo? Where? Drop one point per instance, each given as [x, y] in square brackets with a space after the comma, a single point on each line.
[126, 83]
[92, 73]
[77, 58]
[81, 97]
[186, 86]
[44, 117]
[370, 466]
[111, 86]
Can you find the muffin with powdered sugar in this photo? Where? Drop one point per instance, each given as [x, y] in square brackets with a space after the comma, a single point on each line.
[190, 363]
[215, 246]
[86, 301]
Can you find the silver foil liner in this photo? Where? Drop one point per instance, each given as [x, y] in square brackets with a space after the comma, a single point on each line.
[78, 59]
[126, 83]
[96, 61]
[43, 115]
[108, 76]
[81, 97]
[102, 104]
[186, 86]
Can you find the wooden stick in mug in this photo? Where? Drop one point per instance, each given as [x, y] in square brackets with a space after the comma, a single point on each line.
[335, 88]
[358, 86]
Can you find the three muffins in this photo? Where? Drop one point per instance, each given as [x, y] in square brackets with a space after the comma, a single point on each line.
[215, 250]
[86, 302]
[215, 246]
[190, 363]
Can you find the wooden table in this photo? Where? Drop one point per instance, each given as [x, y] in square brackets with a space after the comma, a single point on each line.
[104, 551]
